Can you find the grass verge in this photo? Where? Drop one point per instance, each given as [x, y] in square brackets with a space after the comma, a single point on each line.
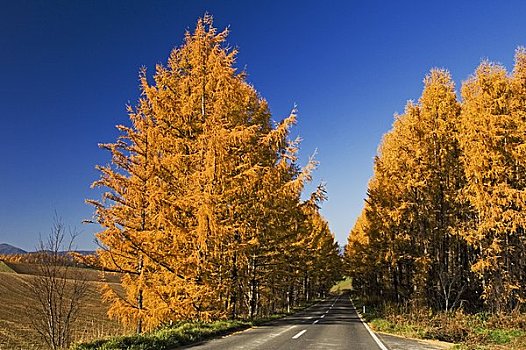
[183, 333]
[468, 331]
[179, 334]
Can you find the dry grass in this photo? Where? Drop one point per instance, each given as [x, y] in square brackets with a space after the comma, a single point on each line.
[89, 274]
[16, 306]
[482, 331]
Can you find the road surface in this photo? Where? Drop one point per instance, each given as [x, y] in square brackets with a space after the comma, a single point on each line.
[331, 324]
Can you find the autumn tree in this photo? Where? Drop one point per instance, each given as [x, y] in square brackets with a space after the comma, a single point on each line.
[203, 194]
[413, 213]
[360, 255]
[493, 139]
[125, 213]
[444, 217]
[437, 178]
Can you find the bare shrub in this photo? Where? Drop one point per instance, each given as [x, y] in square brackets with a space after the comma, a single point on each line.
[57, 290]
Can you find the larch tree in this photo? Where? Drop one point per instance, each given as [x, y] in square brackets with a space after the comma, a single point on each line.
[124, 214]
[413, 213]
[492, 138]
[204, 192]
[361, 255]
[444, 219]
[437, 179]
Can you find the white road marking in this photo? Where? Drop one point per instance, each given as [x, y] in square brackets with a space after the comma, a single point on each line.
[375, 338]
[327, 311]
[299, 334]
[315, 321]
[322, 316]
[262, 340]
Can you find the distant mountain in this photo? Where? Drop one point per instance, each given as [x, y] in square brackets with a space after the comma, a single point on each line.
[7, 249]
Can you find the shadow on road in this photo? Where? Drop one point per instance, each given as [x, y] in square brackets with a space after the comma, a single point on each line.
[340, 313]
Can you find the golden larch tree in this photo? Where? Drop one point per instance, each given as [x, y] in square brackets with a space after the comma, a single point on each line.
[493, 138]
[204, 192]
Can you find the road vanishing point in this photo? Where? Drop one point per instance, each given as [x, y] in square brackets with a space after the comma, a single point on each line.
[330, 324]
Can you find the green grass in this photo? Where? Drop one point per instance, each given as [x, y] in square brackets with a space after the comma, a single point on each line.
[183, 333]
[403, 329]
[342, 286]
[500, 336]
[5, 268]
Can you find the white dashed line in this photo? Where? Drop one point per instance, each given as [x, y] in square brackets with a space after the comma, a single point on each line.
[299, 334]
[322, 316]
[327, 311]
[315, 321]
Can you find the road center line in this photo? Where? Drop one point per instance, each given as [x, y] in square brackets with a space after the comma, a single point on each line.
[299, 334]
[322, 316]
[273, 335]
[315, 321]
[327, 311]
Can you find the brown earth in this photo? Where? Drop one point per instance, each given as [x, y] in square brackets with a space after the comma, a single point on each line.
[16, 305]
[89, 274]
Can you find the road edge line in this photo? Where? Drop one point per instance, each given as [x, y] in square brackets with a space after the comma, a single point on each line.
[374, 336]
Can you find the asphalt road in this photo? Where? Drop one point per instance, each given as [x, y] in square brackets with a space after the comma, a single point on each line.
[331, 324]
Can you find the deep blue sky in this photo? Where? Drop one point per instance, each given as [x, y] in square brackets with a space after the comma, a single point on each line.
[70, 67]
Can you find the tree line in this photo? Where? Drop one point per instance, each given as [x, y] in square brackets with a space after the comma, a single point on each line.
[202, 210]
[444, 220]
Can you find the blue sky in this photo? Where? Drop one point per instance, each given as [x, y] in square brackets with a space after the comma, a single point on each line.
[70, 67]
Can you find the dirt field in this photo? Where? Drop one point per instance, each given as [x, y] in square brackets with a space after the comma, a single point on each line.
[15, 307]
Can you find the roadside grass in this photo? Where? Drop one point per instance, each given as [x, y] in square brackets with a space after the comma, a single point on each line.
[501, 336]
[482, 331]
[406, 330]
[342, 286]
[183, 333]
[180, 334]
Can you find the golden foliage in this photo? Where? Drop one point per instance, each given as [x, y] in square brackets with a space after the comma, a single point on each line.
[204, 196]
[448, 196]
